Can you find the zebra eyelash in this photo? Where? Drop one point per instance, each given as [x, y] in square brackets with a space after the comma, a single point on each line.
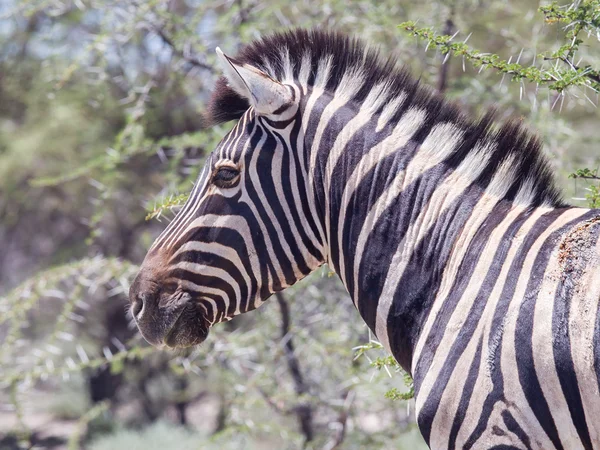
[226, 176]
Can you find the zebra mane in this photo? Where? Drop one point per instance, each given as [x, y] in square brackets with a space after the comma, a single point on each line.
[512, 151]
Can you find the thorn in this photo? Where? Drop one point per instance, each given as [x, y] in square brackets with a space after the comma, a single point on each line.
[82, 354]
[554, 103]
[520, 54]
[107, 353]
[521, 91]
[589, 100]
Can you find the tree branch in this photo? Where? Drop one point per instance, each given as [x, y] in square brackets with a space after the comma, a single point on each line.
[443, 76]
[303, 410]
[340, 433]
[179, 53]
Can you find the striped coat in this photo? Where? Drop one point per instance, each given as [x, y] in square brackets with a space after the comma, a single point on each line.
[448, 234]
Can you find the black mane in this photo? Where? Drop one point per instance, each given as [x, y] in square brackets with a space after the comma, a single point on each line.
[509, 139]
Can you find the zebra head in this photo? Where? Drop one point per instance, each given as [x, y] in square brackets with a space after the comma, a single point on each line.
[246, 230]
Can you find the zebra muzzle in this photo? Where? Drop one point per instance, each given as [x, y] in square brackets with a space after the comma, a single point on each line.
[167, 319]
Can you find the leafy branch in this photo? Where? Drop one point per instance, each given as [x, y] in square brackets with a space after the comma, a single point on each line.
[586, 174]
[583, 18]
[167, 204]
[386, 363]
[42, 372]
[593, 189]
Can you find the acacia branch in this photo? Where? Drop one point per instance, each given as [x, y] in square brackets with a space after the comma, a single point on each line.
[179, 53]
[592, 75]
[303, 410]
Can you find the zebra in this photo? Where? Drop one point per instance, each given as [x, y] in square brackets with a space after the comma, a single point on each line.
[448, 233]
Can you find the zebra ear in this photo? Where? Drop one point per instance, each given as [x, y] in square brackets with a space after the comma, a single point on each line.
[265, 94]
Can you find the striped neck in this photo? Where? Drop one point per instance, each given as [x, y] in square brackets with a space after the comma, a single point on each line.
[394, 205]
[380, 188]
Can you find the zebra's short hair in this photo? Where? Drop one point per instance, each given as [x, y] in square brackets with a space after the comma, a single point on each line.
[306, 54]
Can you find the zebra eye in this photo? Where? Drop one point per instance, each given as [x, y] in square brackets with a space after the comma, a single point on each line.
[225, 177]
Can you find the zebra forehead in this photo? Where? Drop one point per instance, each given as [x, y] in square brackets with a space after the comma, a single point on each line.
[347, 68]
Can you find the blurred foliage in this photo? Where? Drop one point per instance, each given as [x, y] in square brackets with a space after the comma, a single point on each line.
[581, 18]
[100, 143]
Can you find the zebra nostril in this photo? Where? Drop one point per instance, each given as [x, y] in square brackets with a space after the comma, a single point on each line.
[137, 306]
[140, 304]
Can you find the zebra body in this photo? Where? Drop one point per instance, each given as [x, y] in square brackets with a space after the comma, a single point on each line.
[448, 234]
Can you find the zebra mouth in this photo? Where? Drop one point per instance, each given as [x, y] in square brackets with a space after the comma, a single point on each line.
[187, 330]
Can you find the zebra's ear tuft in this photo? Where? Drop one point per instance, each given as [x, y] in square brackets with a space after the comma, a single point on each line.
[265, 94]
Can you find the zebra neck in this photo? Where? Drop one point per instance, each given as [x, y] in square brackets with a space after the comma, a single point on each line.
[392, 211]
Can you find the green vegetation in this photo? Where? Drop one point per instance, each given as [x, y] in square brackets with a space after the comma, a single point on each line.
[101, 139]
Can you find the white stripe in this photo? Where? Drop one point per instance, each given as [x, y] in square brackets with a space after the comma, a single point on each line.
[277, 172]
[443, 197]
[389, 110]
[228, 253]
[203, 269]
[402, 133]
[304, 73]
[461, 312]
[541, 325]
[255, 180]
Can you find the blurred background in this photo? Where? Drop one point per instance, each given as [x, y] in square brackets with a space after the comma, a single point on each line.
[100, 142]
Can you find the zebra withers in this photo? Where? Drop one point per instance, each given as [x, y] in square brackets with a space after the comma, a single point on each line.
[448, 234]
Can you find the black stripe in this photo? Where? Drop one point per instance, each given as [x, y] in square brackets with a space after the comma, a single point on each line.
[540, 406]
[469, 387]
[371, 186]
[504, 447]
[391, 228]
[216, 261]
[302, 185]
[421, 280]
[284, 262]
[313, 123]
[286, 186]
[513, 426]
[264, 169]
[461, 282]
[208, 281]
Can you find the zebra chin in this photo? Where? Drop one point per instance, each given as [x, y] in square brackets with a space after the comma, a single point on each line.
[187, 329]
